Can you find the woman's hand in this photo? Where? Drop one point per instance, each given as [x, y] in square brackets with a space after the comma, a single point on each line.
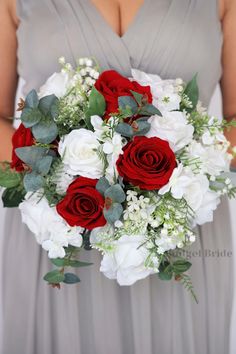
[8, 74]
[228, 81]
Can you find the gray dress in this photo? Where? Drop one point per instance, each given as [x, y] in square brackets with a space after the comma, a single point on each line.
[172, 38]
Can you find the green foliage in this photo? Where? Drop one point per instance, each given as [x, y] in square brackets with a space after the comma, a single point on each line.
[54, 277]
[165, 271]
[48, 105]
[31, 116]
[115, 193]
[39, 115]
[139, 127]
[113, 213]
[192, 92]
[138, 97]
[43, 165]
[33, 181]
[64, 262]
[125, 129]
[30, 155]
[125, 102]
[71, 278]
[32, 100]
[102, 185]
[45, 131]
[187, 283]
[12, 197]
[96, 105]
[176, 268]
[149, 110]
[9, 178]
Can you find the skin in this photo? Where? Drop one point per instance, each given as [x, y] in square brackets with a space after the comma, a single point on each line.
[119, 14]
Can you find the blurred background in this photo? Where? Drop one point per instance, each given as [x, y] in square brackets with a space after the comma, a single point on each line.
[215, 109]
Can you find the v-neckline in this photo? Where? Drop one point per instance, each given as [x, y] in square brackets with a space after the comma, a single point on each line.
[132, 25]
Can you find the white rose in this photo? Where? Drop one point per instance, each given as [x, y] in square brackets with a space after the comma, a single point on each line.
[172, 127]
[213, 159]
[209, 203]
[127, 262]
[57, 84]
[37, 214]
[184, 184]
[50, 230]
[163, 92]
[195, 189]
[79, 152]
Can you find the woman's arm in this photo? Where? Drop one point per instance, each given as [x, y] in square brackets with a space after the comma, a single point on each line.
[228, 81]
[8, 74]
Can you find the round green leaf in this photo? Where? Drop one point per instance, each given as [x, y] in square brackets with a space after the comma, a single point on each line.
[54, 277]
[33, 182]
[71, 278]
[32, 100]
[113, 213]
[31, 116]
[45, 131]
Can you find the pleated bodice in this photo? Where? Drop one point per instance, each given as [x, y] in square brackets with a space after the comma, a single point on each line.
[165, 38]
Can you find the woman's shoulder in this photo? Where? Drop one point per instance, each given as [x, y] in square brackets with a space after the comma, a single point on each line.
[226, 7]
[8, 10]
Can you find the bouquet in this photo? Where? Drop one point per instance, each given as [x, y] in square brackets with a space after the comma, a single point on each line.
[127, 166]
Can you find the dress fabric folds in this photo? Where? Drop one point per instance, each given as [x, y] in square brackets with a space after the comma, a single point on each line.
[171, 38]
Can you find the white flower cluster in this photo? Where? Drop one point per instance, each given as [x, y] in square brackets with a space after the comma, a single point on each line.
[72, 87]
[50, 230]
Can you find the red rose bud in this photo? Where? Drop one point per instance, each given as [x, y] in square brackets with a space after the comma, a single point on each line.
[21, 138]
[147, 163]
[113, 85]
[83, 204]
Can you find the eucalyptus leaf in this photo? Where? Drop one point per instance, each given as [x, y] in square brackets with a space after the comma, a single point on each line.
[192, 92]
[78, 264]
[32, 100]
[125, 129]
[71, 278]
[62, 262]
[127, 101]
[113, 213]
[31, 116]
[102, 185]
[143, 128]
[48, 104]
[116, 193]
[12, 197]
[31, 154]
[33, 182]
[138, 97]
[54, 277]
[45, 131]
[150, 110]
[43, 165]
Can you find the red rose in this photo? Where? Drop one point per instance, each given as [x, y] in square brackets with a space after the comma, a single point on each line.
[147, 163]
[83, 204]
[113, 85]
[22, 137]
